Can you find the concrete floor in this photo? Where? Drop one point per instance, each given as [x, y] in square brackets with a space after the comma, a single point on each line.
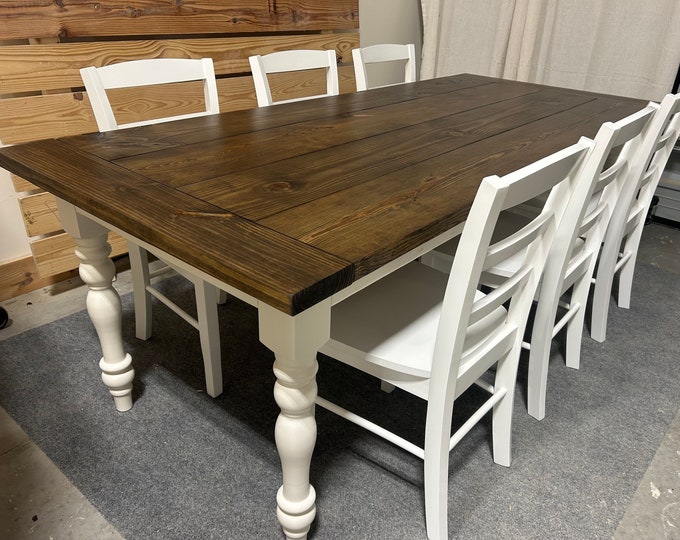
[38, 501]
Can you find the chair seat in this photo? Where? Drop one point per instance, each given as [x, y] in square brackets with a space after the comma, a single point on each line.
[373, 325]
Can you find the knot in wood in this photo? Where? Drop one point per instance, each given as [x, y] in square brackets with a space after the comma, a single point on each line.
[279, 186]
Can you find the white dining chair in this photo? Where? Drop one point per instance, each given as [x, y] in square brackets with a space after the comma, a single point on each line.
[435, 334]
[291, 61]
[565, 285]
[621, 242]
[149, 72]
[383, 53]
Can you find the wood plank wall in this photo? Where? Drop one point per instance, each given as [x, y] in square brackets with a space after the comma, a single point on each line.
[44, 43]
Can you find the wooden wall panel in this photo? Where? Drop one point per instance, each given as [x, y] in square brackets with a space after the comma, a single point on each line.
[81, 18]
[56, 254]
[43, 45]
[40, 214]
[56, 65]
[21, 184]
[21, 276]
[47, 116]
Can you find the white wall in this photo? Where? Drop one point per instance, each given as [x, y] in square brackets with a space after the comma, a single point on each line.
[382, 21]
[13, 239]
[390, 21]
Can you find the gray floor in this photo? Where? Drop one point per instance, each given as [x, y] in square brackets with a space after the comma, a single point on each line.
[38, 501]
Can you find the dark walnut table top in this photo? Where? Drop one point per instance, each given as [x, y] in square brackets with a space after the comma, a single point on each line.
[292, 203]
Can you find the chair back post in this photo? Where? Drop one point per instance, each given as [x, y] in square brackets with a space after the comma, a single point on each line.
[212, 99]
[262, 91]
[101, 107]
[589, 194]
[621, 240]
[475, 254]
[660, 147]
[459, 296]
[640, 156]
[360, 75]
[288, 61]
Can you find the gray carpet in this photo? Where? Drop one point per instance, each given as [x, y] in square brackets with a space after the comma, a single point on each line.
[182, 465]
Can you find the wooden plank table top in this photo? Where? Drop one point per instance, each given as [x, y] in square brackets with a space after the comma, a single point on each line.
[290, 204]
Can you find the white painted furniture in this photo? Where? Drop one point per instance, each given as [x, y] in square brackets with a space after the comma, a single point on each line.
[315, 219]
[435, 334]
[384, 52]
[151, 72]
[565, 285]
[566, 280]
[621, 242]
[289, 61]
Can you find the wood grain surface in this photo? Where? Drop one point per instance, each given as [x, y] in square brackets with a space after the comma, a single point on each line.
[44, 43]
[81, 18]
[292, 203]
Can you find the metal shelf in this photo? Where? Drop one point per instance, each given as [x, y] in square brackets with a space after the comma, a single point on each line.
[668, 190]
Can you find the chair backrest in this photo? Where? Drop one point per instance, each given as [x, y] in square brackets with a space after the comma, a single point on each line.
[580, 231]
[294, 60]
[154, 71]
[453, 356]
[655, 151]
[385, 52]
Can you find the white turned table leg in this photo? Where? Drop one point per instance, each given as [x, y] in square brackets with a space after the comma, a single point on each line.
[103, 302]
[295, 342]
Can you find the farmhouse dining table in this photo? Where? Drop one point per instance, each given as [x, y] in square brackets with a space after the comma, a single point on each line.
[295, 207]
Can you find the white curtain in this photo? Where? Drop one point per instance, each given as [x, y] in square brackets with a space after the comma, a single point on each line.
[623, 47]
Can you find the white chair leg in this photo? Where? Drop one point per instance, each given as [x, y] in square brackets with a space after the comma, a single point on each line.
[626, 273]
[539, 359]
[574, 340]
[601, 297]
[139, 269]
[208, 327]
[628, 269]
[501, 424]
[222, 297]
[626, 283]
[436, 467]
[579, 296]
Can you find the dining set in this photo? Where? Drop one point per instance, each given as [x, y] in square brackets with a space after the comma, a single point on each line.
[423, 232]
